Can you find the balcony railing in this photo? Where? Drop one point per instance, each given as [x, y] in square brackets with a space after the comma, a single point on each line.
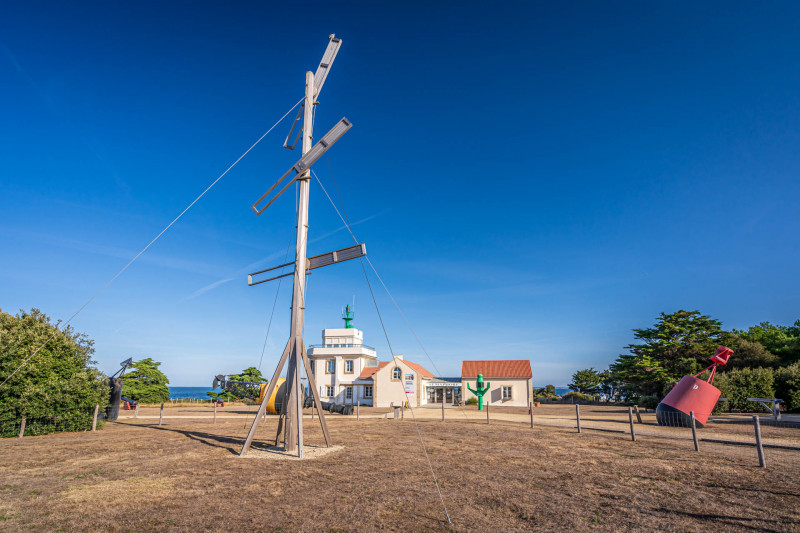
[342, 346]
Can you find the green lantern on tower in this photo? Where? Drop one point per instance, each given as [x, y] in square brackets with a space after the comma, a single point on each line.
[347, 316]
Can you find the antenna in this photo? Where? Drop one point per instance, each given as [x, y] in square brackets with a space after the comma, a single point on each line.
[294, 354]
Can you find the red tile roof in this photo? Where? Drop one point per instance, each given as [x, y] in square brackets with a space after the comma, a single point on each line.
[370, 370]
[367, 372]
[519, 368]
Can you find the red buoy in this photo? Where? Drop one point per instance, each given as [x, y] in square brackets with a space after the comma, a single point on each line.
[692, 394]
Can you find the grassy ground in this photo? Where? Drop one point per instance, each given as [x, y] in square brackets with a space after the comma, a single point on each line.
[186, 476]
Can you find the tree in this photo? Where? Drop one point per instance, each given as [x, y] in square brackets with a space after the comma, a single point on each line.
[783, 341]
[56, 389]
[678, 344]
[609, 386]
[585, 381]
[250, 374]
[548, 391]
[747, 353]
[145, 383]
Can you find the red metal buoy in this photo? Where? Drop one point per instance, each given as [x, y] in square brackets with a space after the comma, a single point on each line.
[692, 394]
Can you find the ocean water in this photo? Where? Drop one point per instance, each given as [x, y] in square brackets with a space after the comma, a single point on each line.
[192, 392]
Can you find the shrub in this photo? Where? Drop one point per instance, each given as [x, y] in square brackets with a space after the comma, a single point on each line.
[648, 402]
[472, 401]
[577, 397]
[787, 386]
[742, 383]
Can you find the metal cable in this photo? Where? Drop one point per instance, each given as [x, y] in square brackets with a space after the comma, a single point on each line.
[394, 357]
[150, 243]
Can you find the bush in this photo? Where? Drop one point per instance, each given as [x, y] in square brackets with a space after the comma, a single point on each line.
[472, 401]
[648, 402]
[577, 397]
[742, 383]
[787, 386]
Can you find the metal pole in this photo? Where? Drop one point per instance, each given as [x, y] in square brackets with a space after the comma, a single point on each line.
[94, 420]
[161, 414]
[531, 409]
[761, 461]
[630, 417]
[22, 427]
[694, 431]
[578, 416]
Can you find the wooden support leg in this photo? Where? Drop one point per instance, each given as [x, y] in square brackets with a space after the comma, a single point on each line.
[312, 385]
[270, 389]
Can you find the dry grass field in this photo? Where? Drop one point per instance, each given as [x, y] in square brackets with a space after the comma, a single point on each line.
[186, 476]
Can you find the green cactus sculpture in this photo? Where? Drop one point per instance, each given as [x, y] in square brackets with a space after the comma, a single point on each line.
[479, 390]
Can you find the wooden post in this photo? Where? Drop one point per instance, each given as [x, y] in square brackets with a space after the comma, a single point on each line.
[638, 414]
[358, 409]
[94, 420]
[694, 431]
[442, 409]
[487, 412]
[531, 409]
[22, 427]
[761, 461]
[578, 416]
[136, 411]
[403, 411]
[215, 412]
[630, 417]
[161, 414]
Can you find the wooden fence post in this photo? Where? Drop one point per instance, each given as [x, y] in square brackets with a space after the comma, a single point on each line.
[638, 414]
[531, 409]
[443, 409]
[161, 414]
[487, 411]
[694, 431]
[22, 427]
[136, 411]
[94, 420]
[403, 411]
[757, 423]
[578, 416]
[630, 417]
[215, 413]
[358, 411]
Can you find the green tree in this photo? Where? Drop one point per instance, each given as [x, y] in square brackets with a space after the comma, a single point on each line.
[57, 388]
[609, 386]
[250, 374]
[146, 383]
[783, 341]
[747, 353]
[678, 344]
[548, 391]
[586, 381]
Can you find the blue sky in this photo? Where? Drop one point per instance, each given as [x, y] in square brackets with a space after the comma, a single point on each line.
[532, 180]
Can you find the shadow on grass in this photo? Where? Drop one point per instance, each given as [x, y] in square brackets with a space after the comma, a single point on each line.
[231, 444]
[732, 520]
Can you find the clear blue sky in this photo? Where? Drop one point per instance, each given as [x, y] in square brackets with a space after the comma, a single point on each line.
[532, 180]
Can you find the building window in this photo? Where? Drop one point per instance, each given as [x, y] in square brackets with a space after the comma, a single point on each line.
[329, 390]
[331, 367]
[348, 393]
[506, 393]
[397, 373]
[368, 391]
[348, 366]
